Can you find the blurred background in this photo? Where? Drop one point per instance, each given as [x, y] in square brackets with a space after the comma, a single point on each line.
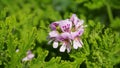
[105, 11]
[24, 25]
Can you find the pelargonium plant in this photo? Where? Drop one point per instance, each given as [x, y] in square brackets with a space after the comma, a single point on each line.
[67, 33]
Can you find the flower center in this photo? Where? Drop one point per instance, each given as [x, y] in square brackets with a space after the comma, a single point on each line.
[58, 29]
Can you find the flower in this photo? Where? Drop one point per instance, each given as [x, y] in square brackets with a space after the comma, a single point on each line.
[67, 32]
[29, 56]
[78, 31]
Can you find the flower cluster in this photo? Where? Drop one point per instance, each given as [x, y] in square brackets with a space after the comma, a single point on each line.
[67, 33]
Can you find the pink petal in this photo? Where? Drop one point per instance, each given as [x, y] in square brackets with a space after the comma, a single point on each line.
[77, 33]
[80, 32]
[29, 56]
[76, 44]
[65, 25]
[54, 25]
[80, 23]
[68, 48]
[74, 19]
[53, 34]
[66, 35]
[74, 34]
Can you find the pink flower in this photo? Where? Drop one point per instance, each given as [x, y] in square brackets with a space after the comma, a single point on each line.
[78, 31]
[67, 32]
[29, 56]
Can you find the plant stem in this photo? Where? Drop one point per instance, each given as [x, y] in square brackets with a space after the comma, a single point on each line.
[109, 11]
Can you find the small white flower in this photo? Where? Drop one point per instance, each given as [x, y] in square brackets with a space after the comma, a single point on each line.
[29, 56]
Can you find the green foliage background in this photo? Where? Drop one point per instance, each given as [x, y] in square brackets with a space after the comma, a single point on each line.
[24, 25]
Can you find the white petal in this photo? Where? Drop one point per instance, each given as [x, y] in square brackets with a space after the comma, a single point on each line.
[82, 21]
[79, 24]
[74, 34]
[68, 48]
[53, 34]
[55, 44]
[66, 35]
[75, 44]
[74, 19]
[81, 43]
[50, 42]
[25, 59]
[62, 48]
